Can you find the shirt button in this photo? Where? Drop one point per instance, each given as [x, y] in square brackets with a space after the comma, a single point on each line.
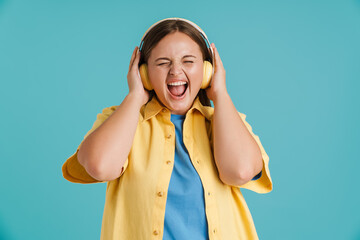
[156, 232]
[168, 162]
[209, 193]
[168, 136]
[160, 194]
[214, 230]
[198, 161]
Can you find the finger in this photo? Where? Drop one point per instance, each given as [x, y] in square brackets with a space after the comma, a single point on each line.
[218, 61]
[135, 65]
[215, 56]
[132, 58]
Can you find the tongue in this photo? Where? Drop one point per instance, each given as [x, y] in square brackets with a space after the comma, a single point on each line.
[177, 90]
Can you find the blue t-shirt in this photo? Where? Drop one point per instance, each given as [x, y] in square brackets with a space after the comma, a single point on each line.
[185, 216]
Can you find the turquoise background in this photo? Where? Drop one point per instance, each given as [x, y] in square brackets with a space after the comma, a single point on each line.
[293, 67]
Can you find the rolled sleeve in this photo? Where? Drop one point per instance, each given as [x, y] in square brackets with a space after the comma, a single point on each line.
[72, 170]
[263, 184]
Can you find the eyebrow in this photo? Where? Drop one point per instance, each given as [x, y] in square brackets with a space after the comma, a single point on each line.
[164, 58]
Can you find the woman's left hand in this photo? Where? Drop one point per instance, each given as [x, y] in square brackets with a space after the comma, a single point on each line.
[217, 84]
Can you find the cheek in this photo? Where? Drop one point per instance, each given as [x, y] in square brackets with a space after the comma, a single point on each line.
[197, 72]
[155, 75]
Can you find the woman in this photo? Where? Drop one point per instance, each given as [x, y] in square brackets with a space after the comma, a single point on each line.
[172, 163]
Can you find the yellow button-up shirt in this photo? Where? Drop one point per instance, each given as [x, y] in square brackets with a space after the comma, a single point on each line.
[135, 202]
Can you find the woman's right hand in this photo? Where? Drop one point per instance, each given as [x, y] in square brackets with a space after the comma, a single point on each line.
[136, 86]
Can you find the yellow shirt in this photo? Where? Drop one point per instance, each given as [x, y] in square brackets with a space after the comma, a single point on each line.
[135, 202]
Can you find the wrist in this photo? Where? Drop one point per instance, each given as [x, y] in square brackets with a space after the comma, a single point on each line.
[220, 96]
[135, 99]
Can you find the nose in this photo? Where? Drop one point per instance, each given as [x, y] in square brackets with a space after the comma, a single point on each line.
[175, 68]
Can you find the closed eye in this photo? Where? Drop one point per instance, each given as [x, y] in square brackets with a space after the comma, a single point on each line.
[166, 63]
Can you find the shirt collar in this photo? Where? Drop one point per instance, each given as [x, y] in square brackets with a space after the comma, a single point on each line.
[154, 106]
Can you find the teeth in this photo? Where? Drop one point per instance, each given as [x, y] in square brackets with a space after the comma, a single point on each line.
[177, 83]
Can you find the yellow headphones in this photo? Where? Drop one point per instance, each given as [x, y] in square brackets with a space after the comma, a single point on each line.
[208, 67]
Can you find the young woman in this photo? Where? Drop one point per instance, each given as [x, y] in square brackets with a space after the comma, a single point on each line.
[173, 164]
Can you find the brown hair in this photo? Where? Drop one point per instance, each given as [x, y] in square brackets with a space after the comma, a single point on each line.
[170, 26]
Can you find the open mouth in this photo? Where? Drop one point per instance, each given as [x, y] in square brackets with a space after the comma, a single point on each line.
[177, 89]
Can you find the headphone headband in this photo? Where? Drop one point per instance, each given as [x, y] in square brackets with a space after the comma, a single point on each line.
[185, 20]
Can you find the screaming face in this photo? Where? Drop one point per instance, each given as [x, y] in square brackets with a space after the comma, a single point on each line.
[175, 68]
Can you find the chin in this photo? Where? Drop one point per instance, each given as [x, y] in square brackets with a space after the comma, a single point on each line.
[179, 108]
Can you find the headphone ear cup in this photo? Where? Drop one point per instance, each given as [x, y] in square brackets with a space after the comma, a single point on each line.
[143, 70]
[207, 75]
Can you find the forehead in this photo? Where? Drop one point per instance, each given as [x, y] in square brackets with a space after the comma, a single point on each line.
[176, 45]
